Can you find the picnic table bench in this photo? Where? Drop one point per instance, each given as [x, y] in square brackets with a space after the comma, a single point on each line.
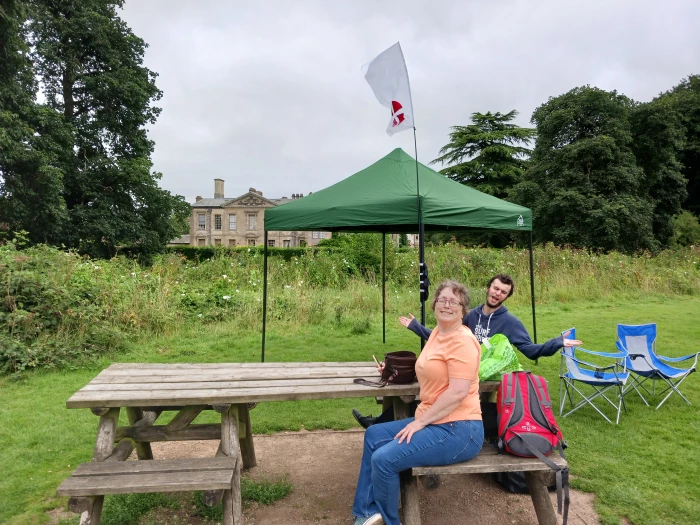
[145, 391]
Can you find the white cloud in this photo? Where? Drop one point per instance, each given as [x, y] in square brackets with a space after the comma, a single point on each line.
[269, 94]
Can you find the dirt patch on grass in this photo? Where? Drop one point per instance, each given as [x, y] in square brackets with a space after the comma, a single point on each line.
[323, 468]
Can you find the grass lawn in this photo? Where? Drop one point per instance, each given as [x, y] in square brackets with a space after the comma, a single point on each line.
[646, 469]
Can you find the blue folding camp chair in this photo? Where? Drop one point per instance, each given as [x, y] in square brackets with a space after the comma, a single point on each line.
[639, 341]
[601, 378]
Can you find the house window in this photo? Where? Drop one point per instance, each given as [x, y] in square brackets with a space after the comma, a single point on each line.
[201, 242]
[251, 242]
[217, 242]
[314, 235]
[252, 222]
[286, 243]
[217, 222]
[232, 242]
[320, 235]
[232, 222]
[201, 221]
[271, 243]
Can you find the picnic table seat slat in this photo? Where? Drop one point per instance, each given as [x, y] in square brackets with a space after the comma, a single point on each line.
[144, 483]
[126, 477]
[98, 468]
[488, 461]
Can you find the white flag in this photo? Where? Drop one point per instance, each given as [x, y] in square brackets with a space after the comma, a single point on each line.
[388, 77]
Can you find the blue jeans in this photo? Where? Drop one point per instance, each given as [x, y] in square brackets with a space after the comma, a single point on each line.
[383, 458]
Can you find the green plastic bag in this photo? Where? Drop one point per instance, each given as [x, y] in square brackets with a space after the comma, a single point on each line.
[497, 358]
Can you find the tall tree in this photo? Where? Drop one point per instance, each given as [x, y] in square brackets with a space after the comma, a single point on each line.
[657, 139]
[32, 139]
[91, 69]
[490, 154]
[685, 99]
[584, 185]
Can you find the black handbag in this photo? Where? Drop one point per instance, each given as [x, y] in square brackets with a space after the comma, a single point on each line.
[399, 369]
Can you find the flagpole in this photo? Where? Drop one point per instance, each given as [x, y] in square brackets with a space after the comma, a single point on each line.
[421, 246]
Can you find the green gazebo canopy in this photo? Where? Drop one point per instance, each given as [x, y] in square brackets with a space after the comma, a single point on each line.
[382, 198]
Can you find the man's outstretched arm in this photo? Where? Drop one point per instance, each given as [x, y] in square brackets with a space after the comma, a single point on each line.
[413, 325]
[519, 338]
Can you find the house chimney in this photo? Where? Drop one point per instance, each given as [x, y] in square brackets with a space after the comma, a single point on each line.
[218, 188]
[198, 198]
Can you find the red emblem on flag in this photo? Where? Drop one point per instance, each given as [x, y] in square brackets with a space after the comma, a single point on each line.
[396, 113]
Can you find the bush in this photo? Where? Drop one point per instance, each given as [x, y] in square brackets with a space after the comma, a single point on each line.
[60, 309]
[686, 230]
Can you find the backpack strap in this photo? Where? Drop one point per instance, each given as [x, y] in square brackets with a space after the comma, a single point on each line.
[562, 475]
[540, 387]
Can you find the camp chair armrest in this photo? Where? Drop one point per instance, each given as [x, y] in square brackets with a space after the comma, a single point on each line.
[678, 359]
[614, 355]
[598, 368]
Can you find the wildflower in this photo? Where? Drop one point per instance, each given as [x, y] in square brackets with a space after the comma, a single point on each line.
[287, 286]
[132, 274]
[238, 291]
[224, 276]
[226, 297]
[199, 315]
[182, 295]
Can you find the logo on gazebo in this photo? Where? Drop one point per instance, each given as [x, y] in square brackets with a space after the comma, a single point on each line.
[520, 221]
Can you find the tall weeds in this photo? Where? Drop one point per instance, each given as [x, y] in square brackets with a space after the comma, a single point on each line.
[57, 308]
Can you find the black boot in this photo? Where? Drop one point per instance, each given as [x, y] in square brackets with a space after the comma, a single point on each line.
[364, 421]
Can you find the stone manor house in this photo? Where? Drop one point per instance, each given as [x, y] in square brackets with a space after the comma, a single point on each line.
[240, 221]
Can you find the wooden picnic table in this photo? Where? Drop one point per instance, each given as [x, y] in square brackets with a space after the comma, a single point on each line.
[146, 390]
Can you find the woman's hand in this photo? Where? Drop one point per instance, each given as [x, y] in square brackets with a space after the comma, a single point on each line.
[408, 431]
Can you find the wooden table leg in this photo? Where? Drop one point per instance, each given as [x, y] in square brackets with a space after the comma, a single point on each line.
[247, 448]
[143, 450]
[233, 511]
[540, 498]
[409, 483]
[91, 508]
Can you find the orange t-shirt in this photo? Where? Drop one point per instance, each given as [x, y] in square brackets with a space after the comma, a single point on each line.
[456, 354]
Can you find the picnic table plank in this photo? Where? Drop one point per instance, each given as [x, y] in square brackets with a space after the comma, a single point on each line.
[246, 373]
[178, 385]
[266, 365]
[211, 396]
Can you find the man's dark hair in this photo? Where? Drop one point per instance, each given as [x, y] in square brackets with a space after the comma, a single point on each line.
[505, 279]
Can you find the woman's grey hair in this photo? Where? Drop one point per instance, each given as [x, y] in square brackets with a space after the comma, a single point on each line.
[458, 289]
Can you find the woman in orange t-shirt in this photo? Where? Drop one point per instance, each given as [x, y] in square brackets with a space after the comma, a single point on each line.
[447, 427]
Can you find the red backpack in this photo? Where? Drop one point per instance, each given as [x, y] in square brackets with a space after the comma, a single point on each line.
[526, 425]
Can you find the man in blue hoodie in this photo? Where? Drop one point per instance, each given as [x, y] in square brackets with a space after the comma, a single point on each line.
[485, 320]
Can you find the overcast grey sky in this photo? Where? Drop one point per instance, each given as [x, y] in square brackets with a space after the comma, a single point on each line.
[269, 93]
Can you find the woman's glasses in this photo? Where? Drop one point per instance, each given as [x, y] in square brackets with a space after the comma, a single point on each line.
[451, 302]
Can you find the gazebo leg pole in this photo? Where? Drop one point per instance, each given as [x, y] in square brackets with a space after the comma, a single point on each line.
[532, 291]
[264, 326]
[384, 287]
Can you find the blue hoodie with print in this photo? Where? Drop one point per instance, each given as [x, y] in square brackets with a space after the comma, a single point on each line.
[500, 322]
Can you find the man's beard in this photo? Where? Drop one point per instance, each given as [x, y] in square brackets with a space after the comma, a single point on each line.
[494, 306]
